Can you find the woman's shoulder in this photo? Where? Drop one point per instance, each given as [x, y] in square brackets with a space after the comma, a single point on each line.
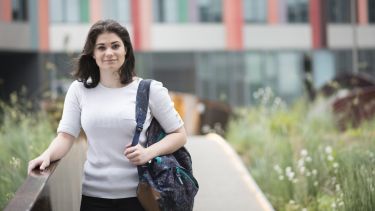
[76, 87]
[155, 84]
[157, 90]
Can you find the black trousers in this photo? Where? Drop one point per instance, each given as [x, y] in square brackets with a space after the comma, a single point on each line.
[89, 203]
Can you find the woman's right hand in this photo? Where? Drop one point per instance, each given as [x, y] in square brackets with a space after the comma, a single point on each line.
[42, 161]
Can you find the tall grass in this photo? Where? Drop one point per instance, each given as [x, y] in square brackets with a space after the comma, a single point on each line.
[301, 161]
[24, 134]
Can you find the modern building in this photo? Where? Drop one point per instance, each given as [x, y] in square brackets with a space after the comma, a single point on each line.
[217, 49]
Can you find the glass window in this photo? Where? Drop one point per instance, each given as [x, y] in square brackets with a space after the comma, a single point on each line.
[253, 65]
[204, 78]
[338, 11]
[371, 11]
[170, 11]
[64, 11]
[255, 10]
[343, 61]
[123, 11]
[109, 9]
[289, 77]
[19, 10]
[210, 10]
[323, 67]
[270, 70]
[366, 62]
[72, 11]
[253, 76]
[56, 10]
[119, 10]
[157, 10]
[298, 11]
[177, 75]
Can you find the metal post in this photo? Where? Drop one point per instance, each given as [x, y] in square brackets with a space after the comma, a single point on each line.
[353, 7]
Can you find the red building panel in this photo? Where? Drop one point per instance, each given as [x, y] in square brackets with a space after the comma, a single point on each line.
[318, 22]
[233, 20]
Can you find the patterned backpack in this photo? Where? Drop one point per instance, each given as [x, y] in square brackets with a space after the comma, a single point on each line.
[166, 183]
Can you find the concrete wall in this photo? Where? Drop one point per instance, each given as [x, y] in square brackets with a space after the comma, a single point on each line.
[188, 37]
[15, 36]
[341, 36]
[67, 37]
[277, 37]
[196, 37]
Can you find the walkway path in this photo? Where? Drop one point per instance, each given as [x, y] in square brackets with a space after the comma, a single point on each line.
[224, 182]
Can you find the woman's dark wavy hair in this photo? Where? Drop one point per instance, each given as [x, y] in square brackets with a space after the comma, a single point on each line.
[87, 68]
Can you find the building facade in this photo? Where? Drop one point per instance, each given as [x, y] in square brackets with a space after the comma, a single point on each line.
[217, 49]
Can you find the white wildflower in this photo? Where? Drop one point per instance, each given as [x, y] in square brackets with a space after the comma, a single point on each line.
[288, 169]
[316, 183]
[308, 174]
[333, 179]
[330, 157]
[301, 163]
[290, 175]
[256, 95]
[302, 169]
[292, 202]
[15, 162]
[328, 150]
[277, 168]
[341, 204]
[308, 159]
[333, 205]
[281, 177]
[335, 165]
[338, 187]
[314, 172]
[304, 209]
[304, 153]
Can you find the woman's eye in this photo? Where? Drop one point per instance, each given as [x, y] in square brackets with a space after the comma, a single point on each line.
[115, 46]
[101, 48]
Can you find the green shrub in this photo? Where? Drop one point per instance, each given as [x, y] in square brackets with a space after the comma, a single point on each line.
[24, 134]
[309, 163]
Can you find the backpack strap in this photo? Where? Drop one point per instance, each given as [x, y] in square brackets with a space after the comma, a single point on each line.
[143, 94]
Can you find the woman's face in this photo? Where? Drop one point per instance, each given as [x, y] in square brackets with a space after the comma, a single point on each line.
[109, 52]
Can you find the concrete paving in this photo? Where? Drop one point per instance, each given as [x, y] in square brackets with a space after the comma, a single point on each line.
[224, 182]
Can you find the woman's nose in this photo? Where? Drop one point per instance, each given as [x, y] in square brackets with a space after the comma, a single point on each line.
[109, 52]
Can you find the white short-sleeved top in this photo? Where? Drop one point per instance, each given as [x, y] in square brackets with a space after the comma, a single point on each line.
[107, 115]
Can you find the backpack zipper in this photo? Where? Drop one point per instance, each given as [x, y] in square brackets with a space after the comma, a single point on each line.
[186, 175]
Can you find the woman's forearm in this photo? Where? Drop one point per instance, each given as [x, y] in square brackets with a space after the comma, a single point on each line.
[139, 155]
[56, 150]
[59, 147]
[169, 143]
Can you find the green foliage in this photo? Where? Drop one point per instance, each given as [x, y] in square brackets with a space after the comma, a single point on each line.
[24, 134]
[309, 163]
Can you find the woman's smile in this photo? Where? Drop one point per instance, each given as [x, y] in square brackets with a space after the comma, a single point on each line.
[109, 52]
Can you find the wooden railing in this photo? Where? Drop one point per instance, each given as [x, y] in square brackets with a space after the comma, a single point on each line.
[57, 188]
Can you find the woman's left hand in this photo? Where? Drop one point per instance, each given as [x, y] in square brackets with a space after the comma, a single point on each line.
[137, 155]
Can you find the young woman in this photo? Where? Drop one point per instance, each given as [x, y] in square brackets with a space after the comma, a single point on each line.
[102, 102]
